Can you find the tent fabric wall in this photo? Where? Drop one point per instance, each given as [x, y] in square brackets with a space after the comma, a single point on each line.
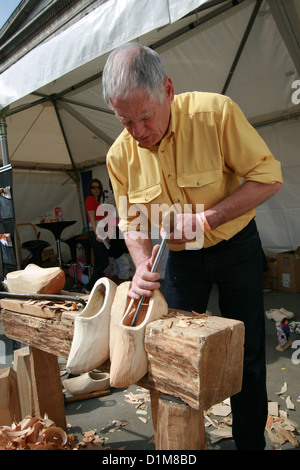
[278, 219]
[57, 118]
[111, 24]
[37, 194]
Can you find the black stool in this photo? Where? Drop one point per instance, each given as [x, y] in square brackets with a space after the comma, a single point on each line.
[84, 242]
[72, 244]
[36, 248]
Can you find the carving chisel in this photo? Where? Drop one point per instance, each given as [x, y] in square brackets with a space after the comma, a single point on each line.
[167, 217]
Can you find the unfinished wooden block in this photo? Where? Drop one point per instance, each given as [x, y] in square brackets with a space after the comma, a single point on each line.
[9, 398]
[204, 353]
[36, 280]
[22, 368]
[46, 387]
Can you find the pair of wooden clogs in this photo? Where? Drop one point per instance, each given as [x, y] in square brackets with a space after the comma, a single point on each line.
[103, 331]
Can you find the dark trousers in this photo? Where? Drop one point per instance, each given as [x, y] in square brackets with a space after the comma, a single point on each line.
[101, 259]
[236, 267]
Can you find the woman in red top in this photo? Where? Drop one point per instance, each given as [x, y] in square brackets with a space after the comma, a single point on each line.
[101, 253]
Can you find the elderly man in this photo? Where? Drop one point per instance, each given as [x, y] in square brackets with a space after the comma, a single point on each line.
[195, 150]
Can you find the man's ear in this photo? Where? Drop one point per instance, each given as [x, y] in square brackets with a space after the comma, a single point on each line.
[169, 89]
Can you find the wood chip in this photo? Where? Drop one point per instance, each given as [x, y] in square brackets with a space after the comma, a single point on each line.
[220, 433]
[290, 405]
[221, 409]
[273, 408]
[143, 419]
[283, 389]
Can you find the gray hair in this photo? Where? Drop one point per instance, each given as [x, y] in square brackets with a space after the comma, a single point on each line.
[132, 66]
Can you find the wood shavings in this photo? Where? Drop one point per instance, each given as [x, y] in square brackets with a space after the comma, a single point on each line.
[281, 430]
[137, 398]
[222, 428]
[117, 425]
[56, 306]
[186, 321]
[35, 434]
[91, 441]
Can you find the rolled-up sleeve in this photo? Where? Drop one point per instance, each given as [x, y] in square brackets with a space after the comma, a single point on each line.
[244, 151]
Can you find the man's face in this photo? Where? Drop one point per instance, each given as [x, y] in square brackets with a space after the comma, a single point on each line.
[147, 121]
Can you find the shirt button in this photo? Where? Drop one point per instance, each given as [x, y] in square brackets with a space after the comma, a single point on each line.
[162, 150]
[169, 176]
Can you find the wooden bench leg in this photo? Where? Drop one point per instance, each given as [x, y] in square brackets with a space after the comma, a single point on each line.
[177, 426]
[46, 387]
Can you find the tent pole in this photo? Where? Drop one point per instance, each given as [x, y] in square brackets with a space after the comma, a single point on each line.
[3, 137]
[77, 182]
[242, 45]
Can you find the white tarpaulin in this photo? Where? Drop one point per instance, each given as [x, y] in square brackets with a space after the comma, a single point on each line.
[249, 50]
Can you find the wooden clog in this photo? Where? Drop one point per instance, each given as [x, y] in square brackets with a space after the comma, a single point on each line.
[129, 359]
[87, 383]
[36, 280]
[118, 309]
[90, 345]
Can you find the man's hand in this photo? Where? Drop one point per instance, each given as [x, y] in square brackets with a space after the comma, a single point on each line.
[143, 281]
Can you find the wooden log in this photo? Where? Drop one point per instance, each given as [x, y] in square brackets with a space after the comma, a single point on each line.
[9, 398]
[46, 387]
[22, 368]
[196, 358]
[179, 427]
[50, 336]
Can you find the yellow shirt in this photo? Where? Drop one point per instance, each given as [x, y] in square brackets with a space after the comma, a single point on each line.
[208, 150]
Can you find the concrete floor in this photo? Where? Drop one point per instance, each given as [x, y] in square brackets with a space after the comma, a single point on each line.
[118, 422]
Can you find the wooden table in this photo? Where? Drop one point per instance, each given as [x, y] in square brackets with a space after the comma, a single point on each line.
[56, 228]
[194, 362]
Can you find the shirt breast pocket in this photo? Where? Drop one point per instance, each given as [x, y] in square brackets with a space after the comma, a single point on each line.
[144, 195]
[198, 179]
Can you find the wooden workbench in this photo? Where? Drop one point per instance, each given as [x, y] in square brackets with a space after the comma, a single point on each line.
[194, 362]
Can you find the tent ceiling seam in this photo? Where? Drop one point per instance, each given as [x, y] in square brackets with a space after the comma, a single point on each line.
[64, 135]
[242, 45]
[105, 138]
[287, 22]
[27, 132]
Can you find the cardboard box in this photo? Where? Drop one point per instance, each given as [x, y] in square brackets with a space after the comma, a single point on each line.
[270, 282]
[288, 269]
[272, 267]
[271, 274]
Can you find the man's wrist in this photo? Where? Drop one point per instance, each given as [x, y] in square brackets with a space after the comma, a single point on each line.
[202, 222]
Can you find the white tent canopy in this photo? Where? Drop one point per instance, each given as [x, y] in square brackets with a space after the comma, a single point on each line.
[249, 50]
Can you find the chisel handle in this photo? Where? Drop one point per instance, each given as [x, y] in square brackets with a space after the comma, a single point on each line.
[167, 217]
